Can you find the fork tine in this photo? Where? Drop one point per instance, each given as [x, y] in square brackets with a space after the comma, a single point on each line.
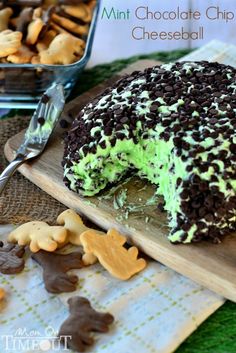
[49, 108]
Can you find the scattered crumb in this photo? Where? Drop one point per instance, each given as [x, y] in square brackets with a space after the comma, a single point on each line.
[152, 201]
[120, 199]
[89, 203]
[129, 227]
[143, 188]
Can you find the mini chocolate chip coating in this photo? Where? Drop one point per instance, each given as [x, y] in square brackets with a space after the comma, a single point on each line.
[11, 258]
[174, 125]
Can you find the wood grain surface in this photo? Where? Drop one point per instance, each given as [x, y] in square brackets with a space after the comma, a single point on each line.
[211, 265]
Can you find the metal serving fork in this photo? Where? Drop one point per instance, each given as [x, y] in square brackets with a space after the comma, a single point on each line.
[40, 128]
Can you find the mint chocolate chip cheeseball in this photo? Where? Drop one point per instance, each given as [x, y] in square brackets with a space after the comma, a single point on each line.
[173, 125]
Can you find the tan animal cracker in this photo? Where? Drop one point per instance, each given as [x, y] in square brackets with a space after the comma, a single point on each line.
[34, 28]
[38, 235]
[5, 15]
[75, 227]
[37, 13]
[92, 4]
[22, 56]
[2, 293]
[109, 249]
[64, 49]
[10, 42]
[59, 29]
[35, 60]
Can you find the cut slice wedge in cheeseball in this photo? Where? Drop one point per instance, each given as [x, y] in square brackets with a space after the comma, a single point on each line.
[173, 125]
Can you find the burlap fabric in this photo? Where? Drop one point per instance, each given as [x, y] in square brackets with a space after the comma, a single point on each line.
[22, 201]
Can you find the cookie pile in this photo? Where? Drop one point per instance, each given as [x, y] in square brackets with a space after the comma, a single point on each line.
[43, 240]
[49, 32]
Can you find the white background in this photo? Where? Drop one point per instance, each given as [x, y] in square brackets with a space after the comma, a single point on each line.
[113, 38]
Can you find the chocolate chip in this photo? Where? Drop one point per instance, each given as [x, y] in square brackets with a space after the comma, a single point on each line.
[154, 108]
[45, 98]
[41, 121]
[64, 124]
[232, 148]
[160, 207]
[168, 89]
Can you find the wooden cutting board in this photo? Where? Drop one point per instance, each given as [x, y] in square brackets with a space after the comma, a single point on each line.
[213, 266]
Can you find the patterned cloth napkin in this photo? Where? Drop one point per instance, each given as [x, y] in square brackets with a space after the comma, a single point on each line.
[154, 311]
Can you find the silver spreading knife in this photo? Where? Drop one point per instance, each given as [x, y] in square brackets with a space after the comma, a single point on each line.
[40, 128]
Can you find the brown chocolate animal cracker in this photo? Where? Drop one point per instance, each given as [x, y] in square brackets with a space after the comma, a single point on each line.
[80, 11]
[44, 43]
[23, 20]
[55, 268]
[70, 25]
[11, 261]
[83, 320]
